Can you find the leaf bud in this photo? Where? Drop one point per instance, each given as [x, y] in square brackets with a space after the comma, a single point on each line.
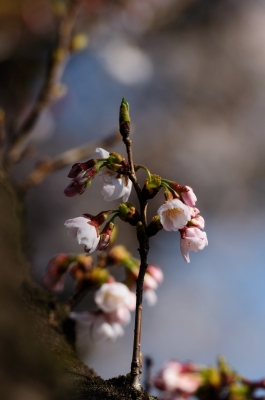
[124, 119]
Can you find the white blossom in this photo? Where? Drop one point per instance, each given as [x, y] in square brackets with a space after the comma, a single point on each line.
[85, 233]
[114, 185]
[174, 215]
[113, 295]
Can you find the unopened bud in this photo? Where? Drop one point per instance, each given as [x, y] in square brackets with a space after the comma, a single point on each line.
[128, 213]
[118, 254]
[124, 119]
[105, 236]
[99, 276]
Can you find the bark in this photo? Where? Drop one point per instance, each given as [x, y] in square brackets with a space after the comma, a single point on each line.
[38, 359]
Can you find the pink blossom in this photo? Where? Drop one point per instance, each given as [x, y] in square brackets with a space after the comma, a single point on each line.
[198, 222]
[53, 277]
[177, 378]
[188, 196]
[85, 233]
[192, 239]
[174, 215]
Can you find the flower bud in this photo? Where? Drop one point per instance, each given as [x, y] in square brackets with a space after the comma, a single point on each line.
[188, 196]
[53, 279]
[105, 236]
[82, 174]
[118, 254]
[99, 276]
[124, 119]
[128, 213]
[81, 167]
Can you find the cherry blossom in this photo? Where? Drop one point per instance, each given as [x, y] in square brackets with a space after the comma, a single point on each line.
[85, 233]
[114, 184]
[113, 295]
[174, 215]
[192, 239]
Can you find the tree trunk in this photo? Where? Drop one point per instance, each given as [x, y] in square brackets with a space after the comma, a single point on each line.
[38, 359]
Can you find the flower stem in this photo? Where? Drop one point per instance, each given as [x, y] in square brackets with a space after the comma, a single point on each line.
[136, 365]
[138, 166]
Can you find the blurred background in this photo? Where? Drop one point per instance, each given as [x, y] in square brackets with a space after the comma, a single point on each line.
[193, 72]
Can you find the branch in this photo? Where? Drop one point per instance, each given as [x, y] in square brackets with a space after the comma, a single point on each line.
[46, 167]
[56, 65]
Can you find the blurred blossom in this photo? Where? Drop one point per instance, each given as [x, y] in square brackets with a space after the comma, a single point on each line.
[98, 326]
[113, 295]
[177, 379]
[126, 63]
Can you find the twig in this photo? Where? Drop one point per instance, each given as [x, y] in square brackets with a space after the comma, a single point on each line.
[55, 69]
[46, 167]
[136, 365]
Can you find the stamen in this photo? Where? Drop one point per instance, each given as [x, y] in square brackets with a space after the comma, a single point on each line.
[173, 212]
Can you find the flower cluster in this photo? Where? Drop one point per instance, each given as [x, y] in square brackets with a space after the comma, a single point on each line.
[179, 214]
[115, 301]
[109, 167]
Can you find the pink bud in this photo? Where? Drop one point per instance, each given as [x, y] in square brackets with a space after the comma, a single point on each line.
[188, 196]
[74, 188]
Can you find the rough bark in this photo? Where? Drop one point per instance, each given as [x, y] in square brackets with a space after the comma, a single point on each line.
[38, 360]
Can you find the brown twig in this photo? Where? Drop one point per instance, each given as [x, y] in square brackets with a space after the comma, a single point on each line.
[136, 365]
[56, 65]
[46, 167]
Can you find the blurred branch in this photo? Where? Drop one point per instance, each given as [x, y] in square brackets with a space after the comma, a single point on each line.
[2, 134]
[46, 167]
[56, 65]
